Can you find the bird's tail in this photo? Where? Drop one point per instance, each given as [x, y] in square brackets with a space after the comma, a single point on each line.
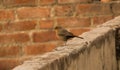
[79, 37]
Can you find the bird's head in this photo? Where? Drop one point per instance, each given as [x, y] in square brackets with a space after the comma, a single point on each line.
[57, 27]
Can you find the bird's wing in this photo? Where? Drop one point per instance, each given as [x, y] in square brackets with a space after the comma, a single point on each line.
[64, 32]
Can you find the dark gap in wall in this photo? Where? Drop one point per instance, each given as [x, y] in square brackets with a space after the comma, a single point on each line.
[117, 39]
[117, 44]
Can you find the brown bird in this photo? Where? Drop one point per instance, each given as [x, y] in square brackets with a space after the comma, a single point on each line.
[63, 34]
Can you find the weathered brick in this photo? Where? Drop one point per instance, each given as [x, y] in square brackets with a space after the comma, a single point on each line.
[46, 2]
[93, 9]
[33, 12]
[67, 1]
[64, 10]
[38, 48]
[6, 15]
[46, 24]
[9, 3]
[79, 31]
[8, 63]
[44, 36]
[19, 26]
[73, 1]
[1, 3]
[101, 19]
[24, 58]
[10, 51]
[105, 1]
[74, 22]
[116, 8]
[14, 37]
[0, 27]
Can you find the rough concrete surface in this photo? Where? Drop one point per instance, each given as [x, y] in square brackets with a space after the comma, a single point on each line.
[95, 52]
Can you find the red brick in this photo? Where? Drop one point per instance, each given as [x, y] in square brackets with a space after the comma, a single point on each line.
[79, 31]
[19, 2]
[64, 10]
[116, 8]
[9, 51]
[93, 9]
[46, 2]
[14, 37]
[44, 36]
[1, 3]
[6, 15]
[101, 19]
[9, 63]
[46, 24]
[38, 49]
[67, 1]
[0, 27]
[20, 26]
[105, 1]
[25, 58]
[74, 22]
[33, 12]
[73, 1]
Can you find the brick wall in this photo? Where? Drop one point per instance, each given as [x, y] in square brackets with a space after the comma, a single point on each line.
[26, 26]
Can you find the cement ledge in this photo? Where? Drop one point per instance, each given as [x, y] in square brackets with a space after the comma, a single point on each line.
[74, 47]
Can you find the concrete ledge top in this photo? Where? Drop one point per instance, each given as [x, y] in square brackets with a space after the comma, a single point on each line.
[115, 23]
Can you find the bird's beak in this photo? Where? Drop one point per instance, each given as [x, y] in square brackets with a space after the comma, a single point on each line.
[54, 28]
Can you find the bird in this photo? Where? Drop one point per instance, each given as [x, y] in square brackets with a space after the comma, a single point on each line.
[64, 34]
